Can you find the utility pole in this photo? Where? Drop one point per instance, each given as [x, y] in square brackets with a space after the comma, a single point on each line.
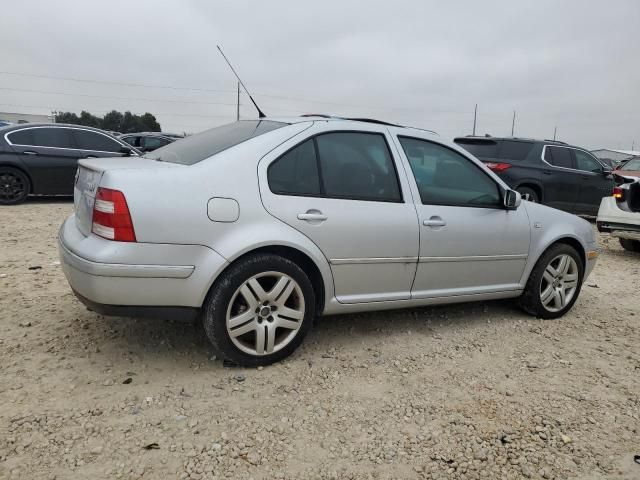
[633, 145]
[513, 123]
[555, 130]
[238, 104]
[475, 114]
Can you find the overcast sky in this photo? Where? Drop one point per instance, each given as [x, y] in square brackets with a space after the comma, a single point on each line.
[570, 64]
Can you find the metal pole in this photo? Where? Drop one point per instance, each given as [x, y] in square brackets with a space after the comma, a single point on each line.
[555, 130]
[475, 114]
[513, 123]
[238, 104]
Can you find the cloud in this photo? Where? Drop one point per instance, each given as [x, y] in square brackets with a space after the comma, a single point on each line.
[568, 64]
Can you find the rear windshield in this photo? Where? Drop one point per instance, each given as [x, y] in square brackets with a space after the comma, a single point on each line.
[196, 148]
[479, 148]
[514, 150]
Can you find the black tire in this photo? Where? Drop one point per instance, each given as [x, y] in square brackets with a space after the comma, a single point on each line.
[222, 292]
[14, 186]
[530, 300]
[528, 194]
[630, 245]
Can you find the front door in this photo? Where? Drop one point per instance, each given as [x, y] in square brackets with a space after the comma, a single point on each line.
[343, 191]
[50, 155]
[594, 185]
[469, 243]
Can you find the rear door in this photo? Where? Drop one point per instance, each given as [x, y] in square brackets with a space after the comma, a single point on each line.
[94, 144]
[346, 192]
[560, 178]
[50, 154]
[595, 183]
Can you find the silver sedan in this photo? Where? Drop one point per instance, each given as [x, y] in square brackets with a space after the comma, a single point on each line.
[259, 226]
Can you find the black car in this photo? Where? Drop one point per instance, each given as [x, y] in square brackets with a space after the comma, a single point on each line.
[42, 159]
[550, 172]
[147, 142]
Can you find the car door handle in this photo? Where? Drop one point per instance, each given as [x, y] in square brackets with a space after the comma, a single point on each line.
[312, 216]
[30, 152]
[547, 172]
[434, 222]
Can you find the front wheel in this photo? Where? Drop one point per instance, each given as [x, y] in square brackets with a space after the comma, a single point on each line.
[259, 311]
[555, 282]
[630, 245]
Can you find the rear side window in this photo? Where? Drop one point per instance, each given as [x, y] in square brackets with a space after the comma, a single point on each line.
[558, 156]
[153, 142]
[43, 137]
[133, 141]
[479, 148]
[196, 148]
[358, 166]
[348, 165]
[296, 172]
[88, 140]
[514, 150]
[445, 177]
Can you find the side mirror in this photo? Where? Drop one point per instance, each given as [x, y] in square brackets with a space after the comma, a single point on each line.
[512, 199]
[606, 171]
[126, 151]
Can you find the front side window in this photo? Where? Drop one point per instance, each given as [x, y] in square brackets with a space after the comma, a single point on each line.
[631, 165]
[43, 137]
[586, 162]
[88, 140]
[445, 177]
[348, 165]
[151, 143]
[558, 156]
[133, 141]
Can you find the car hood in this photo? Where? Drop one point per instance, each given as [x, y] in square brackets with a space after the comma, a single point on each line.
[627, 173]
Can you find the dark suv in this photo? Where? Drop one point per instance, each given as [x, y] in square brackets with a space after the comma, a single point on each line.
[545, 171]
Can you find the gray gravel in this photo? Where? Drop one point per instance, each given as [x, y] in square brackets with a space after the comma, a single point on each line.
[467, 391]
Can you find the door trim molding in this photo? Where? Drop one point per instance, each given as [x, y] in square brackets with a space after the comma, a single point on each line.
[349, 261]
[473, 258]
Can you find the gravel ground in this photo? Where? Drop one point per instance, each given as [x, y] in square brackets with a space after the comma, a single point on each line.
[468, 391]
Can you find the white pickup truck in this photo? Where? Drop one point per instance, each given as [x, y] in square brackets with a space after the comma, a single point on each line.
[619, 214]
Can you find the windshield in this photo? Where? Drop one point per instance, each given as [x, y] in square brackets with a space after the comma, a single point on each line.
[196, 148]
[632, 165]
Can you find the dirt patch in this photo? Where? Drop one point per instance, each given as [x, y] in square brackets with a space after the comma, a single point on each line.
[467, 391]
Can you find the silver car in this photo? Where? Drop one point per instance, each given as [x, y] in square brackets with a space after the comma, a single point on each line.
[259, 226]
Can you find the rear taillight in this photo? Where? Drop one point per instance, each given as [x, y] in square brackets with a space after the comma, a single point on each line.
[111, 217]
[498, 167]
[618, 193]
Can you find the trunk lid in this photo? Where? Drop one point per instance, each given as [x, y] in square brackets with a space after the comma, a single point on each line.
[88, 176]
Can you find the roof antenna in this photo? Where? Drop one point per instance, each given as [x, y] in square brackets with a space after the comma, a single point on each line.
[260, 113]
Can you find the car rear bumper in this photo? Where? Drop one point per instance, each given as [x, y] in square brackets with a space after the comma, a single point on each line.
[620, 223]
[107, 275]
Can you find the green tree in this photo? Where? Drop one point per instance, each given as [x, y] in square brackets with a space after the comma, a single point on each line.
[89, 120]
[150, 123]
[112, 121]
[67, 117]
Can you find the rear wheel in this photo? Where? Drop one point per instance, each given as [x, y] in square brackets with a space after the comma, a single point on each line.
[14, 186]
[630, 245]
[528, 194]
[260, 310]
[555, 282]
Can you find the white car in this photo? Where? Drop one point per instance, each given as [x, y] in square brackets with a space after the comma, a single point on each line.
[619, 214]
[261, 225]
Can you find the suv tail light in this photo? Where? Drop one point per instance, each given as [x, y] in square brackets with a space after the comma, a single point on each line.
[618, 193]
[111, 217]
[498, 167]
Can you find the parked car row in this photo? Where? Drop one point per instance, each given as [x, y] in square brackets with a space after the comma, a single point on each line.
[42, 159]
[543, 171]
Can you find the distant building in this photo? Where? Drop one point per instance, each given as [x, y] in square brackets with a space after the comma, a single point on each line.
[615, 155]
[25, 118]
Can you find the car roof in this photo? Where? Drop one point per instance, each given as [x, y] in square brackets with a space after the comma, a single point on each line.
[19, 126]
[151, 134]
[476, 138]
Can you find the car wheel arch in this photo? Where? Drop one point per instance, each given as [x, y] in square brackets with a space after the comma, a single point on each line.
[533, 186]
[300, 258]
[567, 240]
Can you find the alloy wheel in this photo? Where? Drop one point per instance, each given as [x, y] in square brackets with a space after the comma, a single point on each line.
[559, 283]
[12, 186]
[265, 313]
